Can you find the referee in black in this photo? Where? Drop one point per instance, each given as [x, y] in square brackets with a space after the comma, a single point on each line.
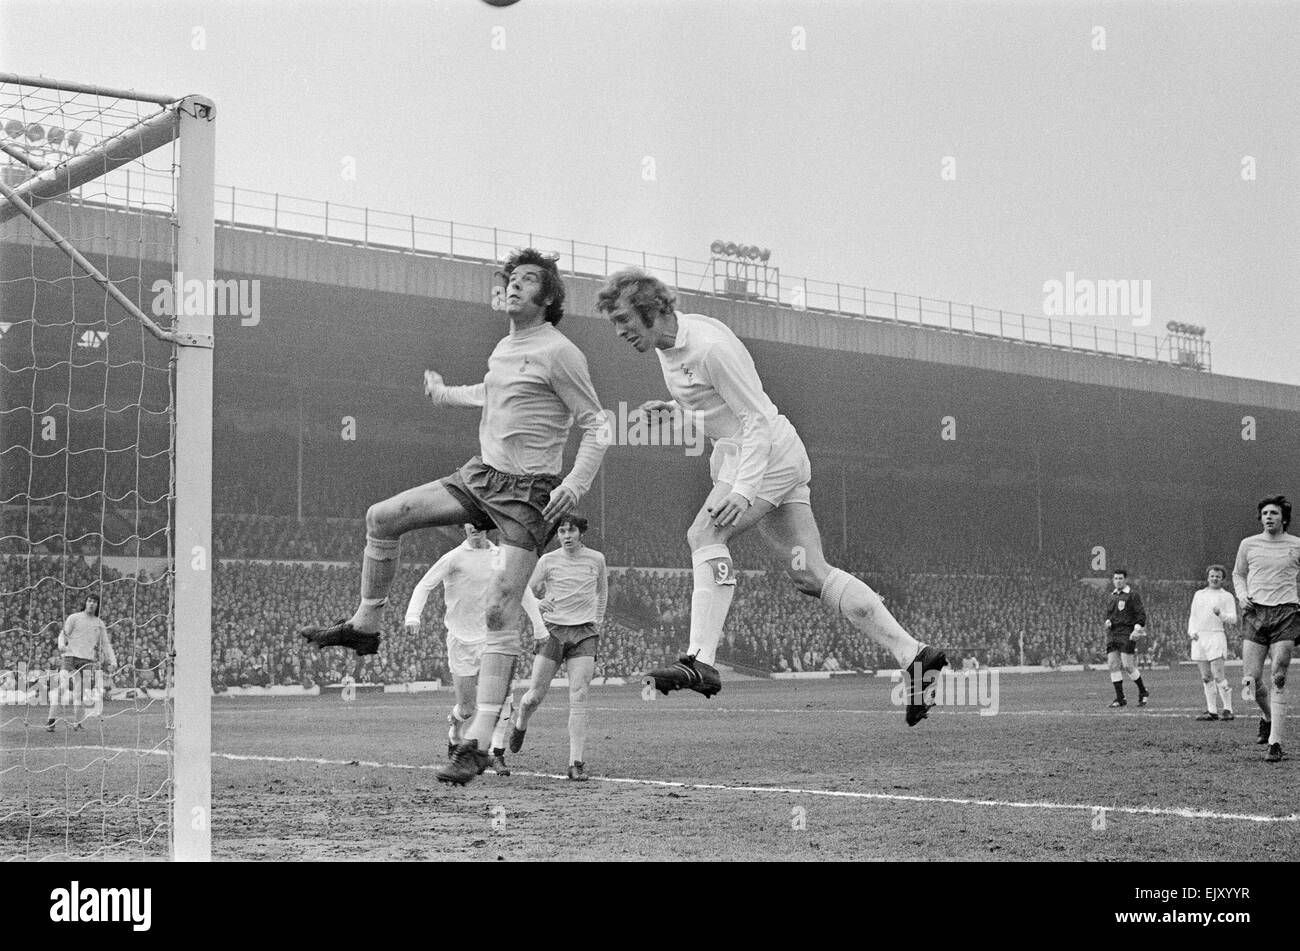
[1126, 620]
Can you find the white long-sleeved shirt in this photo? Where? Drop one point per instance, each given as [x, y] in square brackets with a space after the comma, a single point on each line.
[577, 585]
[83, 635]
[1267, 569]
[537, 385]
[710, 373]
[464, 573]
[1202, 619]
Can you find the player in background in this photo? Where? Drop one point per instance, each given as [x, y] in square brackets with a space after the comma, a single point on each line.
[83, 643]
[1125, 622]
[760, 473]
[537, 385]
[465, 573]
[576, 585]
[1266, 577]
[1212, 608]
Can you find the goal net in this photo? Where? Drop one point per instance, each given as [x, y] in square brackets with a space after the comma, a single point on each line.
[105, 460]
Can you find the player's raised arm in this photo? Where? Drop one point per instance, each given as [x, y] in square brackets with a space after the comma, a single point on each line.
[474, 394]
[435, 576]
[571, 380]
[731, 371]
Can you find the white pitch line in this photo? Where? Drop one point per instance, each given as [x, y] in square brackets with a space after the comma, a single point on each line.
[1180, 812]
[654, 707]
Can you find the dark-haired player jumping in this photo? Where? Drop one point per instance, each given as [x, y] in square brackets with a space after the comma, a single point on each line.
[537, 386]
[760, 473]
[1266, 578]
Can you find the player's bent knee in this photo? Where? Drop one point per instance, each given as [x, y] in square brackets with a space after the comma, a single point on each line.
[1279, 679]
[577, 694]
[380, 520]
[697, 536]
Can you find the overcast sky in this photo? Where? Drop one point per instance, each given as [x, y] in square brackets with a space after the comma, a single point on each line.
[1107, 140]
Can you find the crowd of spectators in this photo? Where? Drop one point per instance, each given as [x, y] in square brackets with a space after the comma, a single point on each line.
[997, 609]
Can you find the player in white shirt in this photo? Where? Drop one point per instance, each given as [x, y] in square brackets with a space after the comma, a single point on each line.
[83, 644]
[760, 473]
[576, 584]
[1212, 608]
[466, 574]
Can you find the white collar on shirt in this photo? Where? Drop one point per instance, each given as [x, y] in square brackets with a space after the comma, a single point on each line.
[680, 340]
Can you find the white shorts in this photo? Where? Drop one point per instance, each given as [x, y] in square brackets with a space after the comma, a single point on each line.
[788, 469]
[464, 657]
[1210, 646]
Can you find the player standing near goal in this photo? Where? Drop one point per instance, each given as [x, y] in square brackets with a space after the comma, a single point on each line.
[536, 386]
[576, 584]
[1125, 623]
[465, 573]
[83, 643]
[1212, 607]
[760, 473]
[1266, 577]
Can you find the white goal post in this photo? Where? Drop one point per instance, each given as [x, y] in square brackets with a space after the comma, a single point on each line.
[33, 179]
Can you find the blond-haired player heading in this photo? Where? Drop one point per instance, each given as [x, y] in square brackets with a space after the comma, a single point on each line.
[760, 473]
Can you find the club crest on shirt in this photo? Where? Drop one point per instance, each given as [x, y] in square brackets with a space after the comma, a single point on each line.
[688, 373]
[1120, 605]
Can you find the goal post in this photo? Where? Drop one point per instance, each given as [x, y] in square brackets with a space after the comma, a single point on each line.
[195, 250]
[73, 148]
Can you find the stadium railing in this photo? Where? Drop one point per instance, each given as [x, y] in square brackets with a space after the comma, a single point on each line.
[365, 227]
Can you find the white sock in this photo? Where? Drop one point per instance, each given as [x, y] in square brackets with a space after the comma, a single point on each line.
[503, 726]
[1211, 696]
[851, 597]
[1277, 711]
[494, 677]
[715, 586]
[1225, 694]
[577, 728]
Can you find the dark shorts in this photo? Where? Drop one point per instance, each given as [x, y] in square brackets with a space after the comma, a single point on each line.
[1125, 645]
[569, 640]
[75, 665]
[1269, 623]
[510, 503]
